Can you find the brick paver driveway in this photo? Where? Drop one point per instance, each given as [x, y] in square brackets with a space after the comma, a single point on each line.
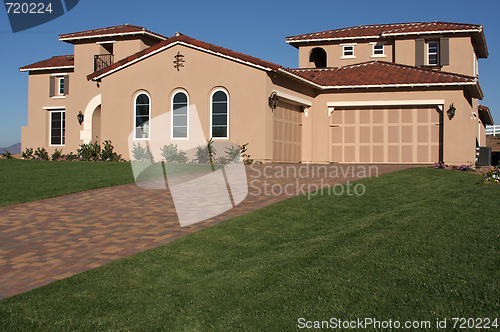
[55, 238]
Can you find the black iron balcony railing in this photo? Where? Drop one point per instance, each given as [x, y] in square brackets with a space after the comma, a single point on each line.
[102, 61]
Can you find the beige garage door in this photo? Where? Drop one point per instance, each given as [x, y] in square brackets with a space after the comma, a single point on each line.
[287, 147]
[385, 135]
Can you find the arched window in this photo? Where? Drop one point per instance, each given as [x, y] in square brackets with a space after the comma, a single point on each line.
[180, 115]
[219, 114]
[142, 116]
[318, 57]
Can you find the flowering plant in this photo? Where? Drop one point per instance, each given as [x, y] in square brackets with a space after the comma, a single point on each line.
[492, 176]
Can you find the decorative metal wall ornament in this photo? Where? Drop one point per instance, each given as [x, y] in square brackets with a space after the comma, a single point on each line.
[79, 117]
[273, 100]
[179, 61]
[451, 111]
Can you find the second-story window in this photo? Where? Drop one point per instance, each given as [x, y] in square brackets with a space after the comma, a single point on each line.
[348, 51]
[433, 53]
[378, 49]
[61, 85]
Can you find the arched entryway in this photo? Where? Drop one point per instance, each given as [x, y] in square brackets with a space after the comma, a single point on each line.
[92, 121]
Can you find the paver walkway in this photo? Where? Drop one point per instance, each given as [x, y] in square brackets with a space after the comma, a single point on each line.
[54, 238]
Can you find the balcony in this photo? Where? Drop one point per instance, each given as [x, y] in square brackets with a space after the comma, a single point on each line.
[102, 61]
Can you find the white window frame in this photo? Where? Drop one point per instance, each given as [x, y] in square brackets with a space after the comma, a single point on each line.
[429, 53]
[60, 81]
[172, 115]
[211, 114]
[375, 55]
[344, 46]
[135, 116]
[63, 126]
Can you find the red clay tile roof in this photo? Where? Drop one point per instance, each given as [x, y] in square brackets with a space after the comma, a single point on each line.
[399, 29]
[381, 74]
[56, 62]
[126, 29]
[485, 115]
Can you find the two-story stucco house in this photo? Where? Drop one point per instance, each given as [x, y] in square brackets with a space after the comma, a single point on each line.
[390, 93]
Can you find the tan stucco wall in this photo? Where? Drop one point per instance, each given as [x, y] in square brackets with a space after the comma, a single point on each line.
[363, 52]
[201, 74]
[462, 55]
[36, 134]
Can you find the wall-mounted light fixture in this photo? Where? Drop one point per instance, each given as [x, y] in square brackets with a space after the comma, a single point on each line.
[451, 111]
[79, 116]
[273, 100]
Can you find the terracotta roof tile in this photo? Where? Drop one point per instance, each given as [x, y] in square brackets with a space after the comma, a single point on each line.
[60, 61]
[116, 30]
[384, 29]
[375, 73]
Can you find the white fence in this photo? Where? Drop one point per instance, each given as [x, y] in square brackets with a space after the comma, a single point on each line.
[493, 130]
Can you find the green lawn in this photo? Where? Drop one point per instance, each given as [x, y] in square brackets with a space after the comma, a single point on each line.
[28, 180]
[421, 244]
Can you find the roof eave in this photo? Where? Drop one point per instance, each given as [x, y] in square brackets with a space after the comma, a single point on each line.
[146, 33]
[45, 68]
[472, 87]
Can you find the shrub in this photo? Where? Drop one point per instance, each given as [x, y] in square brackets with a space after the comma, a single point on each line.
[89, 152]
[207, 154]
[27, 154]
[107, 153]
[173, 155]
[7, 155]
[57, 155]
[41, 154]
[246, 157]
[142, 153]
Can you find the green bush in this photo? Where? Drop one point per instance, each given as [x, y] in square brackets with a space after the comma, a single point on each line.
[41, 154]
[107, 153]
[142, 153]
[89, 152]
[27, 154]
[206, 155]
[173, 155]
[7, 155]
[57, 155]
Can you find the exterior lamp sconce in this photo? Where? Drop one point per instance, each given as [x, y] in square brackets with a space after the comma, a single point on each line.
[273, 100]
[79, 116]
[451, 112]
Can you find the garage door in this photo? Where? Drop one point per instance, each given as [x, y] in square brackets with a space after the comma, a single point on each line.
[385, 135]
[287, 143]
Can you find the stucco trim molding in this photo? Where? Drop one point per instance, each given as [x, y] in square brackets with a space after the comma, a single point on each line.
[86, 133]
[293, 98]
[436, 102]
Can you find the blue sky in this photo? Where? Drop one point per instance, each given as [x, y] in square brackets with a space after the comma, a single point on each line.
[256, 27]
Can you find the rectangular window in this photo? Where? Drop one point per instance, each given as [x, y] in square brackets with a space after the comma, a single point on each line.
[433, 54]
[348, 51]
[378, 49]
[58, 86]
[57, 127]
[61, 85]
